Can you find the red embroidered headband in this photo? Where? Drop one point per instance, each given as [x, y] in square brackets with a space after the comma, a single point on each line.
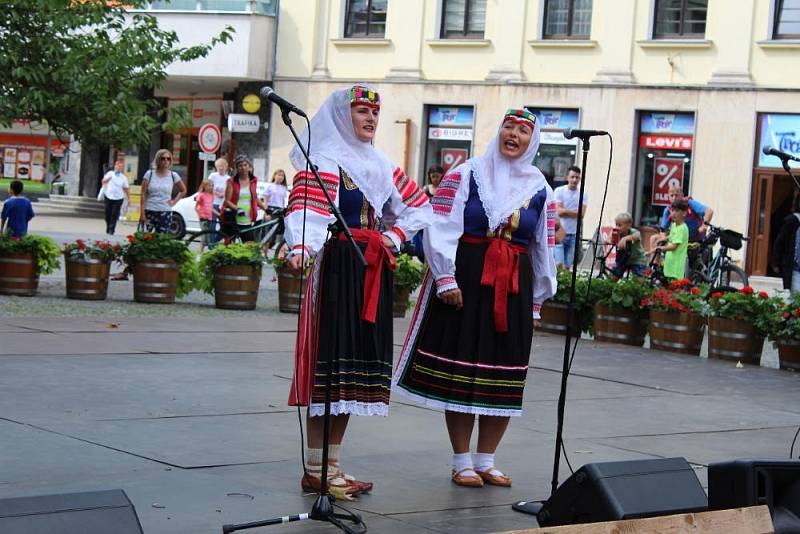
[361, 96]
[520, 115]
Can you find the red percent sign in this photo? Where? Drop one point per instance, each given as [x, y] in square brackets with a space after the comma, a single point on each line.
[667, 173]
[453, 157]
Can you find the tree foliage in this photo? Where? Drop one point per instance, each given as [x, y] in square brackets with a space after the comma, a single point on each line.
[86, 67]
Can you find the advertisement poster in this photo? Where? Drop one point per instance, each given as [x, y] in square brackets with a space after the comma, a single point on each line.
[453, 157]
[23, 164]
[667, 172]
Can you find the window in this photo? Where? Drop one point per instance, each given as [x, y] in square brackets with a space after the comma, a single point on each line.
[463, 19]
[680, 19]
[567, 19]
[365, 18]
[787, 19]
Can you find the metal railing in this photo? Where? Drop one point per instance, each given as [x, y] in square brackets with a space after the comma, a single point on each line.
[260, 7]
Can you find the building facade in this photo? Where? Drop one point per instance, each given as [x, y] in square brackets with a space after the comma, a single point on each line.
[690, 90]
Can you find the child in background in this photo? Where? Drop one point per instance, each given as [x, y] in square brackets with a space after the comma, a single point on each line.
[678, 241]
[204, 206]
[17, 211]
[630, 252]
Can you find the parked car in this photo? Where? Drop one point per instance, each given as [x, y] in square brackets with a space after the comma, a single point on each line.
[184, 217]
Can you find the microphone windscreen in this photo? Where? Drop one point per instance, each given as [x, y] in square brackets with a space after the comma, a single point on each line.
[767, 150]
[266, 91]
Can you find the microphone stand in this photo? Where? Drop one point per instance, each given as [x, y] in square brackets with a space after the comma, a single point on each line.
[537, 508]
[323, 508]
[785, 163]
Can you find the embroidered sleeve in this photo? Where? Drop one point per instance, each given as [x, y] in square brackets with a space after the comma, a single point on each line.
[441, 239]
[317, 214]
[541, 253]
[408, 210]
[304, 184]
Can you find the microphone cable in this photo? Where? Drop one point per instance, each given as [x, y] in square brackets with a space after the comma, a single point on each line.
[589, 282]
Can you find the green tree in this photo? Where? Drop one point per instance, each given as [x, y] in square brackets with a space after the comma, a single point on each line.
[86, 66]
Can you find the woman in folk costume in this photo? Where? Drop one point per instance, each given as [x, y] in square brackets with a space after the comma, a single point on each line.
[491, 268]
[346, 316]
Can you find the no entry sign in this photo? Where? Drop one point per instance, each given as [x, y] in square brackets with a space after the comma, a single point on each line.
[667, 172]
[209, 138]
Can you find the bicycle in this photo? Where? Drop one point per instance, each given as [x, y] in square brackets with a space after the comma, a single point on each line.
[721, 272]
[269, 233]
[654, 273]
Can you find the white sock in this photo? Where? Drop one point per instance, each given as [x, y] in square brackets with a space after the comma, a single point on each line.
[463, 461]
[314, 461]
[483, 461]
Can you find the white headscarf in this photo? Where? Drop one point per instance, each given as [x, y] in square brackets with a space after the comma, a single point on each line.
[505, 184]
[334, 144]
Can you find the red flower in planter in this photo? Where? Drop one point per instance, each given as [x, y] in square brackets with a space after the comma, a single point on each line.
[81, 244]
[148, 237]
[716, 294]
[786, 315]
[763, 294]
[747, 290]
[131, 239]
[695, 291]
[796, 312]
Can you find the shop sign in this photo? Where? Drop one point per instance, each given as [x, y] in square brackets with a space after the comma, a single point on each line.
[556, 119]
[667, 123]
[667, 173]
[556, 138]
[450, 116]
[251, 103]
[242, 122]
[450, 134]
[204, 111]
[453, 157]
[666, 142]
[779, 131]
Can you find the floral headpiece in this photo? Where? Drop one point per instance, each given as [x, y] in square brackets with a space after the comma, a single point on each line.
[361, 96]
[520, 115]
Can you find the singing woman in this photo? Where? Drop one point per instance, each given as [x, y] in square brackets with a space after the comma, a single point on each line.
[491, 267]
[346, 315]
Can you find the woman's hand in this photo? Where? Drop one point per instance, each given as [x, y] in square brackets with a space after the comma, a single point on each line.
[453, 297]
[296, 263]
[387, 242]
[537, 323]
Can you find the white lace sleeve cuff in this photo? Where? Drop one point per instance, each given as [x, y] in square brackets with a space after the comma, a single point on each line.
[445, 283]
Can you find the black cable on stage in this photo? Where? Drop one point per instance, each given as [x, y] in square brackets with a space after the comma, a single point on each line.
[591, 273]
[791, 449]
[300, 315]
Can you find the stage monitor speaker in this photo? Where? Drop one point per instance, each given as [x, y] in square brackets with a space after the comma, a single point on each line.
[625, 490]
[751, 482]
[92, 512]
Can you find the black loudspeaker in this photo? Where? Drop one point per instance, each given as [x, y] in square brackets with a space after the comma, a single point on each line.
[625, 490]
[93, 512]
[775, 483]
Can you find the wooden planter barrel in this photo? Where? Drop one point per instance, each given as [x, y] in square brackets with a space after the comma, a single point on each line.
[87, 279]
[729, 339]
[400, 301]
[289, 293]
[789, 354]
[618, 325]
[554, 319]
[18, 274]
[676, 332]
[236, 286]
[155, 281]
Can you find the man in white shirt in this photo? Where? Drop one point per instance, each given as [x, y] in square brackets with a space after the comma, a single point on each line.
[115, 190]
[567, 207]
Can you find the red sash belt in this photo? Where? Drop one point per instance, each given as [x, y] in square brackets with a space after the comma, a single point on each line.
[500, 271]
[377, 254]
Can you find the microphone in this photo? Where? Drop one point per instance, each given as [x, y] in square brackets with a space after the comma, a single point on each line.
[569, 133]
[286, 106]
[769, 151]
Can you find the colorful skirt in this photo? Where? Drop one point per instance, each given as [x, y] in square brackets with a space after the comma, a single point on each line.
[332, 332]
[456, 360]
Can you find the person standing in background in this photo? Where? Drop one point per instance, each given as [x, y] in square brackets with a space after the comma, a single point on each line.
[219, 179]
[17, 212]
[567, 207]
[435, 173]
[115, 191]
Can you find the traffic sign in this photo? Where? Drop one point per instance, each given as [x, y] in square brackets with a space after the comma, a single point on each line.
[209, 137]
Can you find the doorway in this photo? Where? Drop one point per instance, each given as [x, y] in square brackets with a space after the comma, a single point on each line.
[773, 193]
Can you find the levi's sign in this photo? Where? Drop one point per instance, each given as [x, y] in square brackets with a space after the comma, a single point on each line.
[243, 122]
[665, 142]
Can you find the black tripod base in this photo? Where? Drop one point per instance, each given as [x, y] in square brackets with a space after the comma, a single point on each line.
[323, 510]
[528, 507]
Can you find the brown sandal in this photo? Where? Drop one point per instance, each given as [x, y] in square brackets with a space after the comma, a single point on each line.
[494, 480]
[469, 481]
[362, 485]
[338, 487]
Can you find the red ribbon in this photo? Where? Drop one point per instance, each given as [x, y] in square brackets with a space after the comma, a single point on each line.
[500, 271]
[377, 254]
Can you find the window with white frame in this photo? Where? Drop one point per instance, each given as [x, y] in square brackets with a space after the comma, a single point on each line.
[680, 19]
[365, 19]
[567, 19]
[463, 19]
[787, 20]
